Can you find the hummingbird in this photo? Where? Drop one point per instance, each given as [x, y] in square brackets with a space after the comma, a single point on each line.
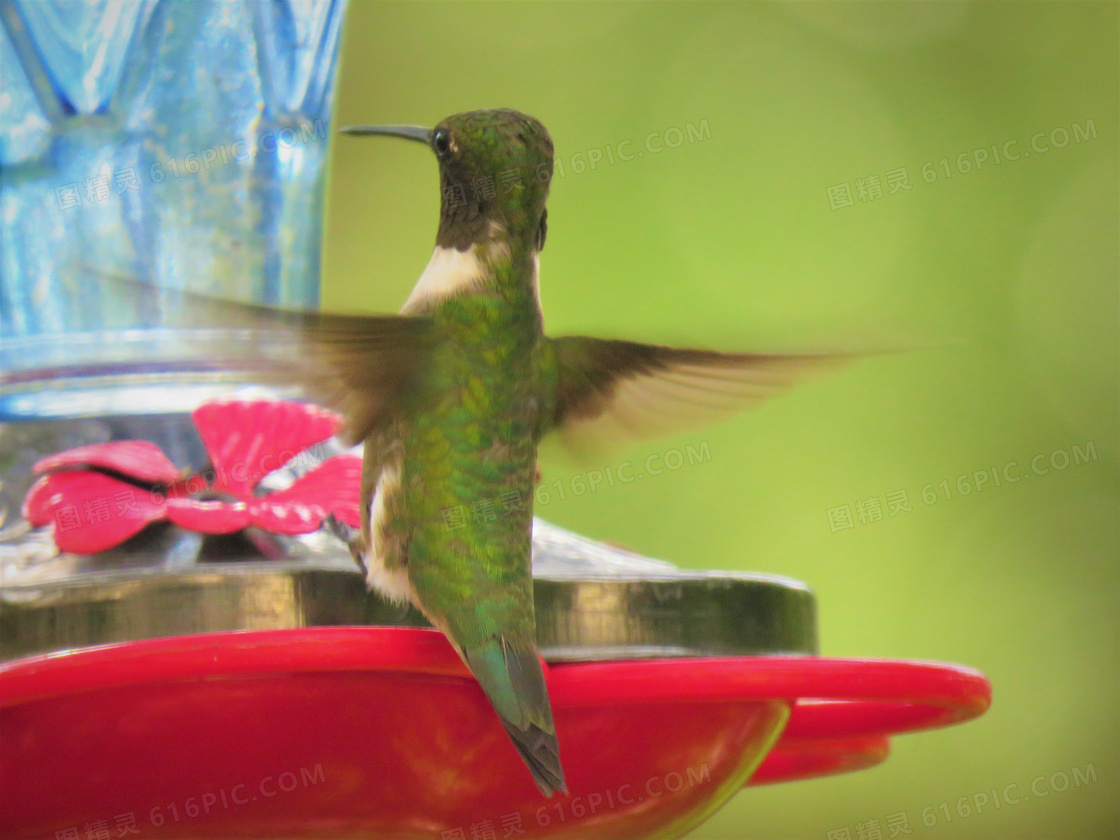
[451, 398]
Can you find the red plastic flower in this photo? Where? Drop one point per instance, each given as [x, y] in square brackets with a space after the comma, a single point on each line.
[100, 495]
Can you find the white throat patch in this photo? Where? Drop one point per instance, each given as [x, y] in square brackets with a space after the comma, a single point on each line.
[449, 272]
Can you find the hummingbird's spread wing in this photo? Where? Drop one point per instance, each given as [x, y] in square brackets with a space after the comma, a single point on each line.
[368, 367]
[371, 368]
[622, 391]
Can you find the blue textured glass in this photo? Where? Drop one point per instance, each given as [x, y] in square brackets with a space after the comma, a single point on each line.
[180, 142]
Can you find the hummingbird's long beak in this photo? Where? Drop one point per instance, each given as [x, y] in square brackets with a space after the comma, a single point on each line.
[408, 132]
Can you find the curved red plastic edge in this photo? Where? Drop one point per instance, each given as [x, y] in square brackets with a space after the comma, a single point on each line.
[847, 698]
[843, 709]
[809, 758]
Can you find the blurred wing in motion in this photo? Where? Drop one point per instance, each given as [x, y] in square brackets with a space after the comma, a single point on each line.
[367, 367]
[622, 391]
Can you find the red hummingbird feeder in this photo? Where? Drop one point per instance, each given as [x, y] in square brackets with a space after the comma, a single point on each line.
[220, 670]
[381, 732]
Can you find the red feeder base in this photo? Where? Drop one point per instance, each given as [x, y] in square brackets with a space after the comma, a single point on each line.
[381, 732]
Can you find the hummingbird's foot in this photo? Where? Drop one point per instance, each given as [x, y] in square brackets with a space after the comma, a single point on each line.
[351, 536]
[356, 553]
[340, 529]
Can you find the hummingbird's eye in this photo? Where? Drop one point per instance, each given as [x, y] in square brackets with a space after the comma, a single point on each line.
[442, 144]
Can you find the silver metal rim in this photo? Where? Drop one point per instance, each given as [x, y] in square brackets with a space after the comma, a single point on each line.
[593, 602]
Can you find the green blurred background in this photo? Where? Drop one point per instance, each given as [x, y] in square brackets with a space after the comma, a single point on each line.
[732, 239]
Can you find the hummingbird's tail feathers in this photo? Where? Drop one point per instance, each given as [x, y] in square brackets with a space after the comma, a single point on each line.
[541, 754]
[621, 391]
[514, 682]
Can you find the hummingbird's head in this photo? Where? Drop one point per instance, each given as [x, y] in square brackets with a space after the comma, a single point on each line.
[495, 167]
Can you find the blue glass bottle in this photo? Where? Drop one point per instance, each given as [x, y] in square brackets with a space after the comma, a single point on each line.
[183, 144]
